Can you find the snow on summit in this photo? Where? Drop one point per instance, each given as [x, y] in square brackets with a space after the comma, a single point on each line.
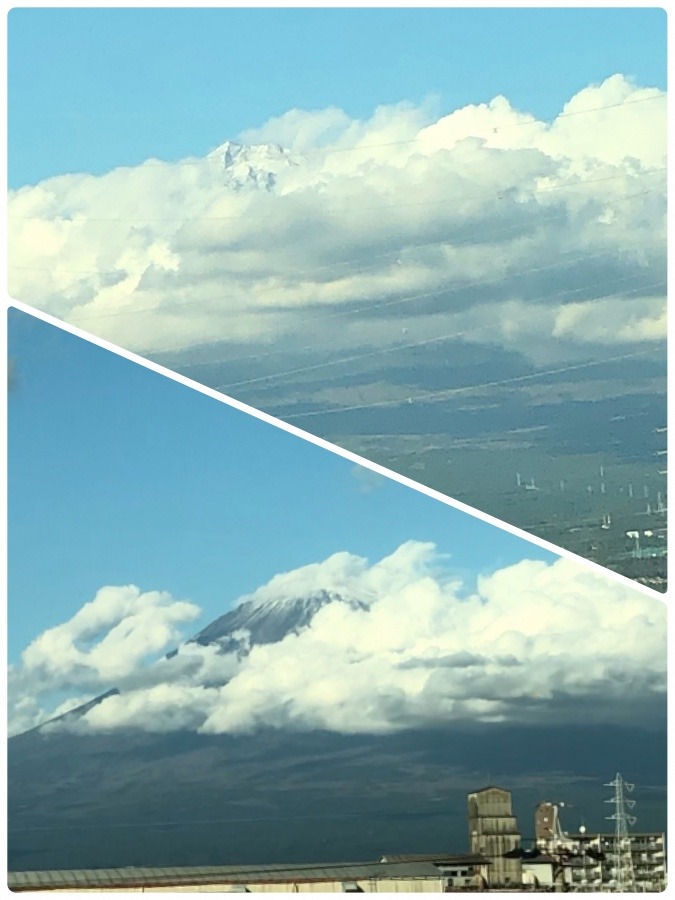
[255, 166]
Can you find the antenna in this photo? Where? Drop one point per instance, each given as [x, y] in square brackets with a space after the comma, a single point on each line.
[624, 876]
[662, 452]
[518, 481]
[636, 537]
[630, 490]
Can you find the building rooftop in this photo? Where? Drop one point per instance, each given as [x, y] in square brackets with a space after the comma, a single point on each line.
[489, 787]
[441, 859]
[141, 876]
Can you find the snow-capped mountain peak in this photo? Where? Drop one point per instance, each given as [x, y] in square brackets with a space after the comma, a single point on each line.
[256, 165]
[271, 620]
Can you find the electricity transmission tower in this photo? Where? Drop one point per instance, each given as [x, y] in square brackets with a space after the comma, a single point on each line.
[624, 876]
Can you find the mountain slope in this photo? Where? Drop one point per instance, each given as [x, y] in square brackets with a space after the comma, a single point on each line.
[131, 798]
[270, 621]
[75, 713]
[247, 625]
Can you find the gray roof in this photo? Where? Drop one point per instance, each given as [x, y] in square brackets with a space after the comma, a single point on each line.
[489, 787]
[136, 876]
[440, 859]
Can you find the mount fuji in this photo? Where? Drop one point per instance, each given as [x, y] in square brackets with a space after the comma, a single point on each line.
[132, 797]
[251, 623]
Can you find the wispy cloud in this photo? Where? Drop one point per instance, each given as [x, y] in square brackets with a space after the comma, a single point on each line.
[368, 481]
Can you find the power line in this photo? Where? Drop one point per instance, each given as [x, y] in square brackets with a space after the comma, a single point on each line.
[414, 344]
[496, 129]
[436, 396]
[276, 198]
[514, 228]
[323, 152]
[354, 358]
[260, 355]
[444, 287]
[452, 287]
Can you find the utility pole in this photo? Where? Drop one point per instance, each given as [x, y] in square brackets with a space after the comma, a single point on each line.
[624, 876]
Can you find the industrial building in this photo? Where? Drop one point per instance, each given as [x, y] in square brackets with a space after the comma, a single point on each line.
[397, 874]
[493, 832]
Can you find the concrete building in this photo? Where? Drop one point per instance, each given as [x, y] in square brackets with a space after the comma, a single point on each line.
[493, 832]
[544, 873]
[547, 827]
[648, 856]
[589, 860]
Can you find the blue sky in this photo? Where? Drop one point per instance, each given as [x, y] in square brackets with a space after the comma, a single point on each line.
[90, 89]
[120, 475]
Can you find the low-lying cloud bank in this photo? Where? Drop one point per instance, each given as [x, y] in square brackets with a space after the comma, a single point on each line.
[533, 643]
[486, 223]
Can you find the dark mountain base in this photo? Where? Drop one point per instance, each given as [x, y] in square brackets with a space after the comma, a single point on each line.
[187, 799]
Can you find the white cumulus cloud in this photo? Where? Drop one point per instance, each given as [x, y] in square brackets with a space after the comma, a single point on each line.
[532, 642]
[109, 639]
[445, 226]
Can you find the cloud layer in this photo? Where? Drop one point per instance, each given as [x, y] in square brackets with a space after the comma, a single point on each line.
[533, 643]
[322, 231]
[102, 645]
